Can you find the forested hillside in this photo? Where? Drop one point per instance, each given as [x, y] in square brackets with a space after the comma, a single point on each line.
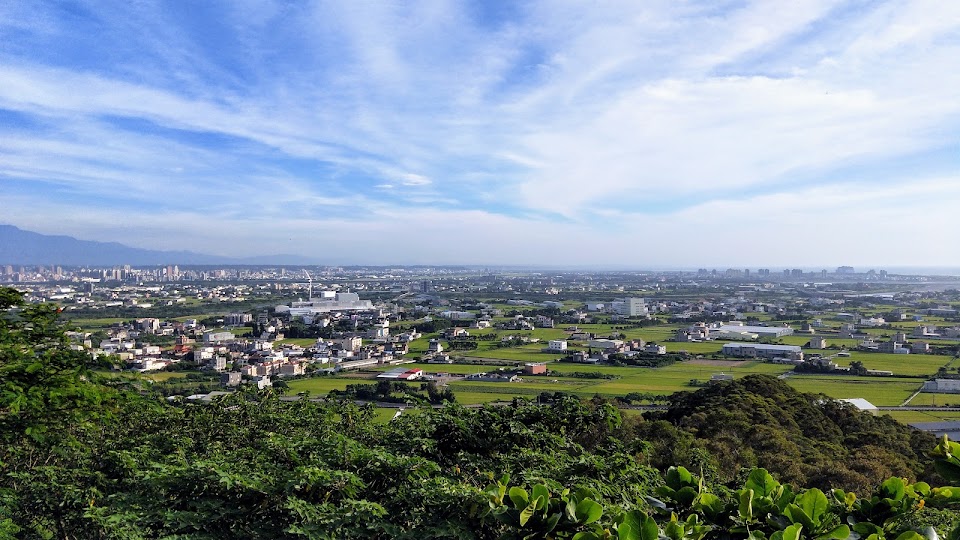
[87, 456]
[804, 439]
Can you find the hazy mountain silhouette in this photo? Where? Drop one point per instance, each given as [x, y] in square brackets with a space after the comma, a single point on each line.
[18, 246]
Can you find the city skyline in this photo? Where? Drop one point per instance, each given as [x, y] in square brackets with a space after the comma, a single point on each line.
[657, 135]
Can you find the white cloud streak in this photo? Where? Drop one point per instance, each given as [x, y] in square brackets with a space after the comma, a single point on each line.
[415, 118]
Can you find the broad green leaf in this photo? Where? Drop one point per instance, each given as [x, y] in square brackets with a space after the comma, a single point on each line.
[946, 449]
[792, 532]
[552, 523]
[948, 470]
[814, 504]
[709, 504]
[837, 533]
[571, 510]
[746, 504]
[588, 511]
[946, 494]
[686, 495]
[648, 528]
[893, 488]
[633, 521]
[586, 535]
[785, 496]
[540, 491]
[910, 535]
[762, 484]
[864, 528]
[678, 477]
[673, 530]
[528, 512]
[519, 497]
[798, 516]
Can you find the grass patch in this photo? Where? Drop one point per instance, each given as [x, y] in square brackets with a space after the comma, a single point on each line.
[907, 417]
[881, 391]
[320, 386]
[930, 399]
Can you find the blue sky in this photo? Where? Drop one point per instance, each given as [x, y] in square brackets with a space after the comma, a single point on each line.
[644, 134]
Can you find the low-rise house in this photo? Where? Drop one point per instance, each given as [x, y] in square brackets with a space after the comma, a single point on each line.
[605, 344]
[217, 337]
[291, 369]
[556, 345]
[653, 348]
[231, 378]
[535, 368]
[892, 347]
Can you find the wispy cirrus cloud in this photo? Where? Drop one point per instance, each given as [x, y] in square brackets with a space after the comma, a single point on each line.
[544, 115]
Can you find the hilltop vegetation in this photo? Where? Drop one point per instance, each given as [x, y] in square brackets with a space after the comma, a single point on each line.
[89, 457]
[806, 439]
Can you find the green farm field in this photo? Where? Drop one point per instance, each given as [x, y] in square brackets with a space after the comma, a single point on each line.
[703, 347]
[525, 353]
[881, 391]
[925, 399]
[899, 364]
[157, 376]
[441, 368]
[94, 324]
[320, 386]
[473, 398]
[160, 376]
[662, 381]
[907, 417]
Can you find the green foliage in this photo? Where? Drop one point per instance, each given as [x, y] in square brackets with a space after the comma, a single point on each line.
[805, 439]
[947, 459]
[762, 508]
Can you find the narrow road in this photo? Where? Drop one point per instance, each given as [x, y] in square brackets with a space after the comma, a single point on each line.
[909, 399]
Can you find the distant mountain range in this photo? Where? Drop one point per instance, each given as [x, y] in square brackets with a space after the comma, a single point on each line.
[18, 246]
